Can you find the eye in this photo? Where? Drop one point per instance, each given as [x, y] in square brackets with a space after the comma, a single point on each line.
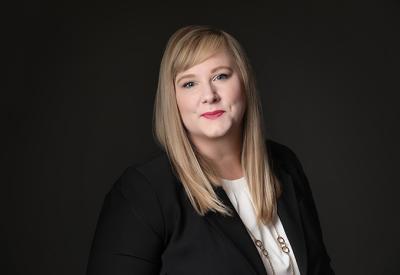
[188, 84]
[221, 76]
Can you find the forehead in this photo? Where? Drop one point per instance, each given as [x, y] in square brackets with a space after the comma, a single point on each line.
[217, 59]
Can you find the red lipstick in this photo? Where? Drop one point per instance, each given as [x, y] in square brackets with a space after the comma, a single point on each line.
[213, 115]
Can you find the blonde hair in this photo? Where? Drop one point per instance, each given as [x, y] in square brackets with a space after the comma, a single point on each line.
[187, 47]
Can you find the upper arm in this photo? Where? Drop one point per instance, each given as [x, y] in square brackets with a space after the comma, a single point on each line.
[311, 221]
[319, 260]
[129, 232]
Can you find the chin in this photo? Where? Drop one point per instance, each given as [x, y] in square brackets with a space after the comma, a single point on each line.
[212, 131]
[217, 133]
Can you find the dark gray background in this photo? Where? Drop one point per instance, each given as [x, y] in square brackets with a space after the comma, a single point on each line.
[81, 80]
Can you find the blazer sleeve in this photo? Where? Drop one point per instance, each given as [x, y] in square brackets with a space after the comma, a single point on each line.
[129, 231]
[319, 260]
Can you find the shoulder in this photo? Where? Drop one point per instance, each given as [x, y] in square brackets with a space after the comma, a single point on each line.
[149, 188]
[153, 173]
[150, 177]
[281, 156]
[284, 161]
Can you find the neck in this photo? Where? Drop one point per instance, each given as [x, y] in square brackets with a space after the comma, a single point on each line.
[224, 153]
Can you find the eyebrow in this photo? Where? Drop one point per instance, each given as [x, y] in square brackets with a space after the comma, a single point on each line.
[212, 71]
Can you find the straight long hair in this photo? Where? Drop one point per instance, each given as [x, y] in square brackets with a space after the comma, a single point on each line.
[187, 47]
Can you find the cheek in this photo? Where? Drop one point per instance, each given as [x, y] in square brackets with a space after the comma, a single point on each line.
[184, 103]
[237, 92]
[186, 108]
[238, 98]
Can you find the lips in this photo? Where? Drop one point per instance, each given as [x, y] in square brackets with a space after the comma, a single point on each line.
[213, 115]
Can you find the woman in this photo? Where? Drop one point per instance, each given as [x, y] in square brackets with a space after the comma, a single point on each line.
[220, 198]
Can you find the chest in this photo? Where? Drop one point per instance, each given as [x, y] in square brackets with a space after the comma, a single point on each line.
[198, 245]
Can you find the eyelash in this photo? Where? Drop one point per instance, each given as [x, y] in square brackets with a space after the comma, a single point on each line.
[185, 84]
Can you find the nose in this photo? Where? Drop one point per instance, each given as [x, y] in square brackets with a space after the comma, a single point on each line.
[209, 94]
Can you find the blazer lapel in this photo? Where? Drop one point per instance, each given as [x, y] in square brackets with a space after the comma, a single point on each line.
[288, 212]
[236, 232]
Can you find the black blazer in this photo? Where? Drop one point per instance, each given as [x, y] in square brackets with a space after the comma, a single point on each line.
[148, 226]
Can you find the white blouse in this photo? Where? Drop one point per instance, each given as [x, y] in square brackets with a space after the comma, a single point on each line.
[238, 192]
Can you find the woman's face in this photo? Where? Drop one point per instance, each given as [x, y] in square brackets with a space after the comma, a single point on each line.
[210, 98]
